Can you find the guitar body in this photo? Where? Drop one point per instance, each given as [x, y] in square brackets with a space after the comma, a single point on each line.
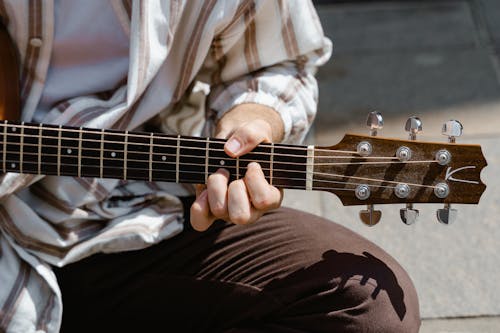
[9, 78]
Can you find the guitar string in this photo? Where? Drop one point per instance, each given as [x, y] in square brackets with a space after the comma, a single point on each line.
[174, 139]
[300, 172]
[253, 153]
[148, 136]
[274, 177]
[62, 147]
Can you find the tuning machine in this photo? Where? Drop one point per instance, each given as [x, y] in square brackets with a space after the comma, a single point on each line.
[452, 129]
[374, 122]
[413, 126]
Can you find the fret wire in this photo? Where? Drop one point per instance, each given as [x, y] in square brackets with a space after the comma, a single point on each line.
[310, 167]
[40, 130]
[5, 147]
[151, 157]
[271, 164]
[101, 155]
[125, 148]
[238, 167]
[80, 153]
[177, 158]
[206, 159]
[21, 149]
[59, 134]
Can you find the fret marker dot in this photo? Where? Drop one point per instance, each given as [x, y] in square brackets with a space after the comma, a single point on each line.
[222, 162]
[13, 165]
[69, 151]
[113, 154]
[13, 129]
[164, 158]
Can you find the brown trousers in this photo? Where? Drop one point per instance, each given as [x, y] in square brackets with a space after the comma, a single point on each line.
[289, 272]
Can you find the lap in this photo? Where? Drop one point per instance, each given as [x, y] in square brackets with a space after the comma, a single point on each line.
[290, 271]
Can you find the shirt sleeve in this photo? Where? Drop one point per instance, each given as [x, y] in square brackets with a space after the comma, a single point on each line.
[268, 54]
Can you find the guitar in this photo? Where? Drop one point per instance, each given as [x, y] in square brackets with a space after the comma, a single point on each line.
[359, 169]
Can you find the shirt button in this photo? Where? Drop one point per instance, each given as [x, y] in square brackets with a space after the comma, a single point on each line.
[36, 42]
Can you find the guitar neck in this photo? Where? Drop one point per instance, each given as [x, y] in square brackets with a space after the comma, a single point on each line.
[83, 152]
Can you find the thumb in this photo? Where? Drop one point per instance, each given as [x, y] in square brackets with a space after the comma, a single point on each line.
[247, 137]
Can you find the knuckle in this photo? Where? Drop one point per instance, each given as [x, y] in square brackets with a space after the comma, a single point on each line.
[219, 210]
[240, 217]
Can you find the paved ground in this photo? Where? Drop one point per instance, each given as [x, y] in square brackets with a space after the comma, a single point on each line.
[438, 60]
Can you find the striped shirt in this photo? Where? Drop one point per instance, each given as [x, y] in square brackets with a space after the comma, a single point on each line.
[190, 62]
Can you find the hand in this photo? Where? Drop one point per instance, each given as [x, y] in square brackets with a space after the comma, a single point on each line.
[244, 200]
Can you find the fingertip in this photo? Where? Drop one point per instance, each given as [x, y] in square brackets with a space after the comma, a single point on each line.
[233, 146]
[199, 213]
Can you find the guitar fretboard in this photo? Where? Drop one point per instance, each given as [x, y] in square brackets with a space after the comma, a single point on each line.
[83, 152]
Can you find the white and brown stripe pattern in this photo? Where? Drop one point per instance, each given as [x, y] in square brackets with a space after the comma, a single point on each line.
[258, 54]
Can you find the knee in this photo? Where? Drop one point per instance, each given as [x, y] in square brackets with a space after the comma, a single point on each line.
[382, 299]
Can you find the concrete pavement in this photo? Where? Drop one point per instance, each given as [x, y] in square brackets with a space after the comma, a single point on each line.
[438, 60]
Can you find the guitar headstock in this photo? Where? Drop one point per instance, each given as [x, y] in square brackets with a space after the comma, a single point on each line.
[368, 170]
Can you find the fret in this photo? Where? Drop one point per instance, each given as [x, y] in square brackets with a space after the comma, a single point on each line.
[4, 152]
[192, 160]
[219, 159]
[113, 154]
[151, 157]
[289, 168]
[40, 130]
[207, 156]
[138, 165]
[21, 147]
[80, 152]
[59, 151]
[177, 158]
[50, 150]
[164, 158]
[262, 155]
[271, 164]
[310, 167]
[70, 152]
[12, 149]
[29, 150]
[238, 167]
[125, 153]
[101, 155]
[91, 153]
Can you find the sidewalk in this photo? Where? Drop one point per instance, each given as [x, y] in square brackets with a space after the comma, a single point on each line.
[437, 60]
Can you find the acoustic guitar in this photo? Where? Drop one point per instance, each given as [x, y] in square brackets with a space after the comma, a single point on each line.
[360, 170]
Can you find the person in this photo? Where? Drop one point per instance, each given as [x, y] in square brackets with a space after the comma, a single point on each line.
[92, 254]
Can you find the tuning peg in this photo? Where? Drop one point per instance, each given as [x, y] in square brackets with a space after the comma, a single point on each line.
[408, 215]
[453, 129]
[446, 215]
[413, 126]
[369, 216]
[375, 122]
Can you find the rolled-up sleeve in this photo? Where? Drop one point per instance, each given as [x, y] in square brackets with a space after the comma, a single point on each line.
[268, 54]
